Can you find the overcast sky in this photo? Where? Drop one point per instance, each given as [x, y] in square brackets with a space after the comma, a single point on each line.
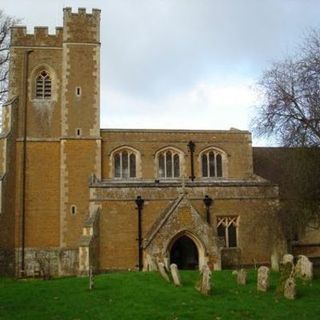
[184, 64]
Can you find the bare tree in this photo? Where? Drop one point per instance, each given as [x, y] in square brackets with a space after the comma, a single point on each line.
[290, 91]
[6, 22]
[290, 112]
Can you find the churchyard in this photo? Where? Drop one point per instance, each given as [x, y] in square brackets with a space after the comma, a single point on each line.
[146, 295]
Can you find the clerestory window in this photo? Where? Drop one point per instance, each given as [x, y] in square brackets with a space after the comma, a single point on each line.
[43, 85]
[227, 228]
[169, 164]
[211, 163]
[125, 164]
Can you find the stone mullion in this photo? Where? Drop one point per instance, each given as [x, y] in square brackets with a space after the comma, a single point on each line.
[208, 165]
[121, 172]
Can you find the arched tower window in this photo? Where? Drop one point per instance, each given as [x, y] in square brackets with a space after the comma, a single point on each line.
[43, 85]
[212, 163]
[124, 162]
[169, 164]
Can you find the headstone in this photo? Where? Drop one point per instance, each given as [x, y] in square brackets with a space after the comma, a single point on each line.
[287, 258]
[263, 279]
[204, 284]
[91, 279]
[151, 264]
[304, 268]
[163, 271]
[242, 276]
[166, 264]
[275, 262]
[175, 274]
[286, 273]
[290, 288]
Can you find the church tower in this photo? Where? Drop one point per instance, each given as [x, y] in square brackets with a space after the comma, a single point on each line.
[53, 143]
[80, 148]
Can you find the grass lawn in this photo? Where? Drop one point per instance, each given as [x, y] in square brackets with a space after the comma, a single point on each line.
[133, 295]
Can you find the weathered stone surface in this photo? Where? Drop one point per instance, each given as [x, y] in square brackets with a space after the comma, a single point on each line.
[304, 268]
[286, 273]
[290, 288]
[175, 274]
[91, 278]
[287, 258]
[163, 271]
[204, 284]
[275, 262]
[182, 218]
[242, 276]
[150, 263]
[263, 279]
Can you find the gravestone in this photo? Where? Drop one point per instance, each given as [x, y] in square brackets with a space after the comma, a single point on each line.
[290, 288]
[287, 258]
[242, 277]
[304, 268]
[163, 271]
[151, 264]
[175, 274]
[263, 279]
[286, 272]
[204, 284]
[91, 279]
[275, 262]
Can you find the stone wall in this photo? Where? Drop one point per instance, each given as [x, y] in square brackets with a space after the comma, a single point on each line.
[235, 143]
[252, 203]
[57, 261]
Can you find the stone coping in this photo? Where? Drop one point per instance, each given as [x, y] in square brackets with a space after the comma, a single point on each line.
[177, 183]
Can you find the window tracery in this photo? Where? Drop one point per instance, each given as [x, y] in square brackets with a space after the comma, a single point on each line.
[211, 164]
[125, 164]
[43, 85]
[227, 228]
[169, 165]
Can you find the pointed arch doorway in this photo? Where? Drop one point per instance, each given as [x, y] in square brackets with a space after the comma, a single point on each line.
[184, 253]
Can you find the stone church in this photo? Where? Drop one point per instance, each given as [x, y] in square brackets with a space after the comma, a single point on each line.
[117, 199]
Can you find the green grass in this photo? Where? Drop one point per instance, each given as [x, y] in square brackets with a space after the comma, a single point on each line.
[146, 296]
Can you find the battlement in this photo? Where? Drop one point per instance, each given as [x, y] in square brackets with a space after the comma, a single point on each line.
[78, 27]
[82, 12]
[81, 27]
[40, 37]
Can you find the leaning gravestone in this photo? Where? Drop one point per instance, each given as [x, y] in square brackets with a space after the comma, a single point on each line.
[242, 276]
[204, 284]
[263, 279]
[175, 274]
[290, 288]
[304, 268]
[163, 271]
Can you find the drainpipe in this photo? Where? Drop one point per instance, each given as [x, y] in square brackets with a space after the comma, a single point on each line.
[139, 202]
[208, 202]
[191, 146]
[24, 161]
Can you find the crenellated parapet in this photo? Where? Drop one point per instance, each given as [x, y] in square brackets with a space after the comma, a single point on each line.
[40, 37]
[81, 27]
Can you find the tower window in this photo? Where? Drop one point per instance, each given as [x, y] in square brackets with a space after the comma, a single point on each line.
[73, 209]
[78, 91]
[78, 132]
[43, 85]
